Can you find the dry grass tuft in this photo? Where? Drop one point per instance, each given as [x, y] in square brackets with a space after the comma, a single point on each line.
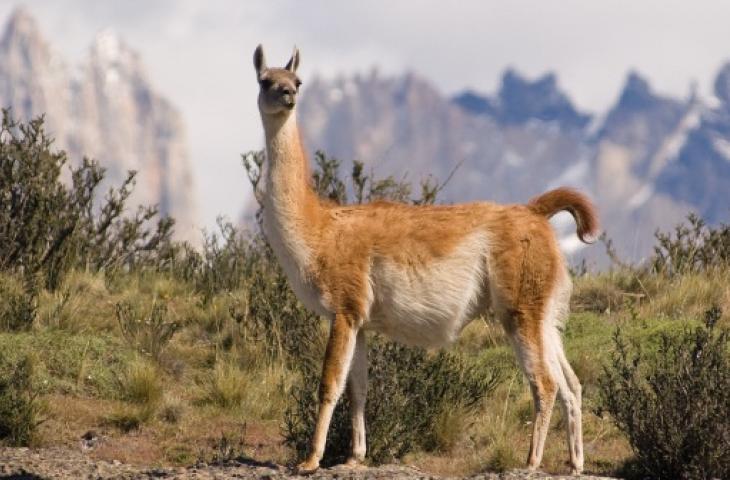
[130, 417]
[172, 410]
[689, 295]
[227, 385]
[450, 428]
[141, 383]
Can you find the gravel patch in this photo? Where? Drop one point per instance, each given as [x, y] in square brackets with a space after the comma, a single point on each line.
[66, 464]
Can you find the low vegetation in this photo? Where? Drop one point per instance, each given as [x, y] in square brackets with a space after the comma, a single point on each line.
[423, 391]
[673, 404]
[204, 354]
[20, 406]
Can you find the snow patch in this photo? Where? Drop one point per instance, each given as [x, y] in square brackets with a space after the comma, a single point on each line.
[596, 124]
[671, 147]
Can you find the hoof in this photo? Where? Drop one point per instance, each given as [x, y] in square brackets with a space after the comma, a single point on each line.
[305, 468]
[353, 463]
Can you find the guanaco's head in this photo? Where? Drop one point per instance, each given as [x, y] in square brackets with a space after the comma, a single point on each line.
[278, 87]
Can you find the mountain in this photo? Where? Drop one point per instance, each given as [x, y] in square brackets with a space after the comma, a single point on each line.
[520, 100]
[404, 126]
[699, 173]
[647, 162]
[106, 109]
[34, 79]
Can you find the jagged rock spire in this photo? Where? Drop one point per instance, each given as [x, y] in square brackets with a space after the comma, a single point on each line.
[722, 84]
[107, 110]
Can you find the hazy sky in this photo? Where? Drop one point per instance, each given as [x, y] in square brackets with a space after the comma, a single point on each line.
[198, 53]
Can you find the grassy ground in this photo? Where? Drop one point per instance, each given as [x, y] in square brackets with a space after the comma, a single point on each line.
[210, 392]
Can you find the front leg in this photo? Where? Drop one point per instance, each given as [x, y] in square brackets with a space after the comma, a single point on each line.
[337, 360]
[357, 390]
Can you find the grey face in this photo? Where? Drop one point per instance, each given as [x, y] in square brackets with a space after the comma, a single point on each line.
[278, 87]
[278, 90]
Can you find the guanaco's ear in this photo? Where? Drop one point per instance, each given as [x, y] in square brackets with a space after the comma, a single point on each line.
[259, 62]
[293, 61]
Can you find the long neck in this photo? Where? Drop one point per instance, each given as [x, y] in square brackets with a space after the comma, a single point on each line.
[290, 204]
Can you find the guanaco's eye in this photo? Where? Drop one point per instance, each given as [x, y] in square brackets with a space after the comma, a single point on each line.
[266, 83]
[298, 83]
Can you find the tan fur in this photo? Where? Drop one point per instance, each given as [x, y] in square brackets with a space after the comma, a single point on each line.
[417, 273]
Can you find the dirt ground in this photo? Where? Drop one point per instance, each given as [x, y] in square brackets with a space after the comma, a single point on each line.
[68, 464]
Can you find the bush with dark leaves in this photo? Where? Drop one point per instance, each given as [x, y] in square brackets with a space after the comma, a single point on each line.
[693, 247]
[408, 389]
[20, 407]
[674, 404]
[49, 225]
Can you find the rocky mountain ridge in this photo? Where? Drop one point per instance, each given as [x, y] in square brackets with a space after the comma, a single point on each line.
[648, 162]
[106, 109]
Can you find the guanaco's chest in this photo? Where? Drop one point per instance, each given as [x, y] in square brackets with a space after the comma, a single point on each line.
[295, 258]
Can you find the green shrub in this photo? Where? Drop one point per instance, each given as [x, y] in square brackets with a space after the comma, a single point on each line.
[79, 364]
[272, 318]
[404, 404]
[49, 225]
[149, 333]
[674, 405]
[20, 407]
[18, 303]
[226, 260]
[693, 247]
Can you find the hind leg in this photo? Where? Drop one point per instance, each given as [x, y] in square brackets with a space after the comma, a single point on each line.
[570, 395]
[569, 388]
[527, 339]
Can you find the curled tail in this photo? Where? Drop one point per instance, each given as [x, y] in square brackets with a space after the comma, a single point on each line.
[563, 198]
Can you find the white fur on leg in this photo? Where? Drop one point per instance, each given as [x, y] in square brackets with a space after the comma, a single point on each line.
[358, 390]
[569, 389]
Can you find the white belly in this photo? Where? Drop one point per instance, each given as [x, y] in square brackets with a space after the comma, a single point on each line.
[429, 305]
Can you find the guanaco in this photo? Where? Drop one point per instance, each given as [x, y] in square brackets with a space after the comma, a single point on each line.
[417, 274]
